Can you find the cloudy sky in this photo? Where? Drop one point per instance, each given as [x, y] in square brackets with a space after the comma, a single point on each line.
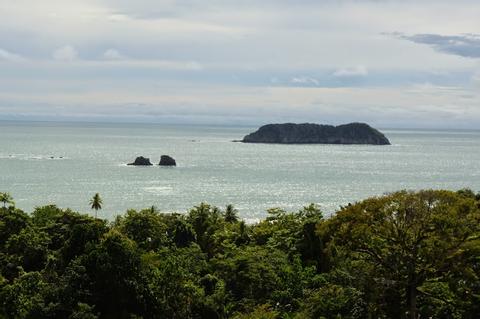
[391, 63]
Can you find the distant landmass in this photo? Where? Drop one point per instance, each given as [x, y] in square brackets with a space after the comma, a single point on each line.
[308, 133]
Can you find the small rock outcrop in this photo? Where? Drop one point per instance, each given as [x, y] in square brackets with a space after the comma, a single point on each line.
[307, 133]
[141, 161]
[166, 160]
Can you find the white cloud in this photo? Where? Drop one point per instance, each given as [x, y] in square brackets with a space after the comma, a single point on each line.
[248, 44]
[305, 80]
[358, 70]
[9, 56]
[65, 53]
[112, 54]
[247, 33]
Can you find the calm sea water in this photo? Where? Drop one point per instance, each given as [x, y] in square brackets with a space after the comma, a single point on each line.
[90, 158]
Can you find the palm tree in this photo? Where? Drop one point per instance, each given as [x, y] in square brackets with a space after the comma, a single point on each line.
[96, 203]
[230, 214]
[6, 198]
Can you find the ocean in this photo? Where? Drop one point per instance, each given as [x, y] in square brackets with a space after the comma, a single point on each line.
[67, 163]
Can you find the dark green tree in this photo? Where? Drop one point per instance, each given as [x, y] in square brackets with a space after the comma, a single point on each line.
[96, 203]
[333, 301]
[147, 228]
[83, 311]
[205, 220]
[6, 198]
[29, 248]
[231, 214]
[12, 221]
[181, 232]
[118, 279]
[413, 242]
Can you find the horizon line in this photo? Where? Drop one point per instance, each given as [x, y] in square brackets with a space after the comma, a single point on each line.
[246, 125]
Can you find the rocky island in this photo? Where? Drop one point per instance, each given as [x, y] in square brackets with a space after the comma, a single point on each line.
[307, 133]
[141, 161]
[166, 160]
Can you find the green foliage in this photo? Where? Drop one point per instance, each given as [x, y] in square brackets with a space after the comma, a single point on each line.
[410, 240]
[294, 233]
[333, 301]
[28, 249]
[261, 312]
[83, 311]
[147, 228]
[115, 269]
[46, 215]
[12, 221]
[25, 297]
[230, 214]
[403, 255]
[205, 220]
[6, 198]
[181, 232]
[96, 203]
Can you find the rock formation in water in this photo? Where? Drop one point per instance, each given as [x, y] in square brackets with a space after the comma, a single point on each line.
[290, 133]
[141, 161]
[166, 160]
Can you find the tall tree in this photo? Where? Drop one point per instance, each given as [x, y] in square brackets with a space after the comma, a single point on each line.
[6, 198]
[96, 203]
[230, 214]
[413, 242]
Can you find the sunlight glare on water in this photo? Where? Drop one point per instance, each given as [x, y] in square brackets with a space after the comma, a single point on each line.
[66, 163]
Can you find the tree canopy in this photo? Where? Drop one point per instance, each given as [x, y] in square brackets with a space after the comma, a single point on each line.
[402, 255]
[6, 198]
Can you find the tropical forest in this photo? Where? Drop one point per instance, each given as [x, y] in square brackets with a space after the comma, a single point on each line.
[401, 255]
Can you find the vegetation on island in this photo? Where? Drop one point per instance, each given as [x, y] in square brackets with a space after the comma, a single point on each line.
[309, 133]
[402, 255]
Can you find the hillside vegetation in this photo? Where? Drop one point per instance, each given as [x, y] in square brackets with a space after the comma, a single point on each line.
[402, 255]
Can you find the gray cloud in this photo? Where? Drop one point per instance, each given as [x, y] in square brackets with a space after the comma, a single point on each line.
[465, 45]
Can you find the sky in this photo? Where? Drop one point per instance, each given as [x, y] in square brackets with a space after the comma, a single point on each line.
[390, 63]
